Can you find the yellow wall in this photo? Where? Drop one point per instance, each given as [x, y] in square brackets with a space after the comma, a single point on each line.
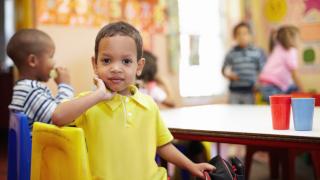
[74, 49]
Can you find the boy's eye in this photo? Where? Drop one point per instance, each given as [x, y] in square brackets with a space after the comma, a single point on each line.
[106, 61]
[126, 61]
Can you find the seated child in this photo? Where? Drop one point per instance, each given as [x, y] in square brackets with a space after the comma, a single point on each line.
[32, 51]
[151, 84]
[123, 127]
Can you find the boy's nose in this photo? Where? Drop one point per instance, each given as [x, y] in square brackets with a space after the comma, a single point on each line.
[116, 67]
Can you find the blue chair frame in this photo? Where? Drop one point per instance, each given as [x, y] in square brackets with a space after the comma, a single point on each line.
[19, 147]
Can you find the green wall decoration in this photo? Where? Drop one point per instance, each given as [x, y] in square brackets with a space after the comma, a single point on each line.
[309, 55]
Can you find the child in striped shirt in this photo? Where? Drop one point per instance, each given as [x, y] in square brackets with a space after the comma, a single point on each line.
[242, 66]
[32, 51]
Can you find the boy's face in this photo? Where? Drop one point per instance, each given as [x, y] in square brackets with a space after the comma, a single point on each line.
[117, 63]
[45, 64]
[243, 36]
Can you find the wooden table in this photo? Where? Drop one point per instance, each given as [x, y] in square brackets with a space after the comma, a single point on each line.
[240, 124]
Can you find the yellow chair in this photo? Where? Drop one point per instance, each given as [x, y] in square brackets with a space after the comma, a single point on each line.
[58, 153]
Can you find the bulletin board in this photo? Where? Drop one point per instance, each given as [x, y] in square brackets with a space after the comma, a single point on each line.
[148, 16]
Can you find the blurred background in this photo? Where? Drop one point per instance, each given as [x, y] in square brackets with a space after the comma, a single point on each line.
[190, 38]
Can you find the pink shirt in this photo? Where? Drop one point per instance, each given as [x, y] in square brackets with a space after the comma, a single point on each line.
[153, 90]
[279, 66]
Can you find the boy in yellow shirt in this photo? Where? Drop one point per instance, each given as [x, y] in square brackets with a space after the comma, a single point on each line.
[123, 127]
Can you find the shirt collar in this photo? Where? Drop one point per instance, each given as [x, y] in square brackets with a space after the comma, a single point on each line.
[136, 96]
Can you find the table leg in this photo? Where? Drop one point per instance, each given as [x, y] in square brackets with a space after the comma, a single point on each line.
[315, 155]
[274, 163]
[288, 165]
[218, 148]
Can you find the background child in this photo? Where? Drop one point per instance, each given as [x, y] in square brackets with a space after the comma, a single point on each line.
[32, 51]
[151, 84]
[279, 75]
[123, 127]
[242, 66]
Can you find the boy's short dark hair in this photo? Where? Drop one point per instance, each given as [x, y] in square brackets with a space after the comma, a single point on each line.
[150, 67]
[25, 42]
[238, 26]
[123, 29]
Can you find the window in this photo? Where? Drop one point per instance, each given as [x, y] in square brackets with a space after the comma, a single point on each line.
[9, 28]
[202, 48]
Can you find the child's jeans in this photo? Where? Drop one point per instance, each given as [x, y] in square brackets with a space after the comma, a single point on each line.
[241, 98]
[269, 90]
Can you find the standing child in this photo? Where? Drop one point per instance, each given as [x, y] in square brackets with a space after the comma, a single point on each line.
[151, 84]
[32, 51]
[123, 127]
[279, 75]
[242, 66]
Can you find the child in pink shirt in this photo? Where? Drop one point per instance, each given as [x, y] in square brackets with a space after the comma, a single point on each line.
[152, 85]
[279, 73]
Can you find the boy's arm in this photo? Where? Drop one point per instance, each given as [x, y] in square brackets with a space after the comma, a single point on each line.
[226, 69]
[62, 79]
[67, 112]
[173, 155]
[65, 91]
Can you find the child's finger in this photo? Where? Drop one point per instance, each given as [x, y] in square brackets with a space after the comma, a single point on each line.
[112, 94]
[207, 176]
[97, 81]
[208, 167]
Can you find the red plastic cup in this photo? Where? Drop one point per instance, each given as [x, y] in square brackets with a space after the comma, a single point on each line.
[280, 109]
[317, 99]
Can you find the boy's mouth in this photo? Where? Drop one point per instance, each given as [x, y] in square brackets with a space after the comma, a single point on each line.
[116, 80]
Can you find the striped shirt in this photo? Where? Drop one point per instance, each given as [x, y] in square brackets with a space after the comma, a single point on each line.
[35, 99]
[247, 64]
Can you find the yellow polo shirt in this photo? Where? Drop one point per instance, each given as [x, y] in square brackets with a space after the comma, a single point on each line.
[122, 136]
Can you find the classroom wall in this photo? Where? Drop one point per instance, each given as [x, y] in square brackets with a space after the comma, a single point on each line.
[74, 49]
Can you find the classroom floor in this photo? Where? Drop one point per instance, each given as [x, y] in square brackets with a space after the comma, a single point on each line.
[304, 169]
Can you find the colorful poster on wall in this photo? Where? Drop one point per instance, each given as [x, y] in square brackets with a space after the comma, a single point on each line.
[147, 15]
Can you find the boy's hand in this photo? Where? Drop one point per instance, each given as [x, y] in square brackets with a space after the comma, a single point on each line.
[63, 75]
[232, 76]
[198, 169]
[228, 73]
[102, 89]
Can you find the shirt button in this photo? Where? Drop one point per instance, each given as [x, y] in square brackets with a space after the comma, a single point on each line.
[129, 114]
[127, 99]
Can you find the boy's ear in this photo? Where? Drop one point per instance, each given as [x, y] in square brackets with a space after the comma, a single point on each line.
[94, 64]
[141, 63]
[32, 60]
